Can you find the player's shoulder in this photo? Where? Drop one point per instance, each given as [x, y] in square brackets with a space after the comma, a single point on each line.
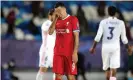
[46, 23]
[120, 21]
[74, 17]
[103, 21]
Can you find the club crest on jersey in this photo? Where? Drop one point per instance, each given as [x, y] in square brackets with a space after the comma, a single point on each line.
[67, 23]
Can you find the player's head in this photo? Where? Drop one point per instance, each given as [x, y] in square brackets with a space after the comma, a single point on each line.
[50, 14]
[112, 10]
[61, 8]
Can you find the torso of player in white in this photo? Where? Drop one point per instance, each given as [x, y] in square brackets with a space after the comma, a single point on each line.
[111, 29]
[48, 41]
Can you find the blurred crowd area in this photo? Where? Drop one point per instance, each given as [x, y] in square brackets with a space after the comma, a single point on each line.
[22, 20]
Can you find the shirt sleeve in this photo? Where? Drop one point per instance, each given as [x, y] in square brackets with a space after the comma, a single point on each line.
[75, 23]
[100, 32]
[46, 25]
[123, 34]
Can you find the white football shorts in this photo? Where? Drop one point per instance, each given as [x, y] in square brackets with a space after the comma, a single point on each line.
[110, 58]
[46, 59]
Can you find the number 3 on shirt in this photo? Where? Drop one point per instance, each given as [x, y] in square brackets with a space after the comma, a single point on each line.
[111, 33]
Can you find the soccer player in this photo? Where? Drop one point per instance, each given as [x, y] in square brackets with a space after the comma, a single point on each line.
[111, 29]
[47, 47]
[66, 45]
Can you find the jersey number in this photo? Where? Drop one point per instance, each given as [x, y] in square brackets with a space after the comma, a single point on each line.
[111, 33]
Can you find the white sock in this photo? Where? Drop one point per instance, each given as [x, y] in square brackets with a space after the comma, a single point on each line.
[40, 76]
[54, 76]
[112, 78]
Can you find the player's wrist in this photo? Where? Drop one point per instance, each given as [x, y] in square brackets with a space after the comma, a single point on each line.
[93, 47]
[127, 46]
[75, 52]
[94, 44]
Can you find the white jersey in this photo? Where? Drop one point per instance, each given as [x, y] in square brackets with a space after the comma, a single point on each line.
[111, 29]
[48, 41]
[47, 47]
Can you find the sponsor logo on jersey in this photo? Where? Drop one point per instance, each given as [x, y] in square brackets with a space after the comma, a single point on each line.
[62, 31]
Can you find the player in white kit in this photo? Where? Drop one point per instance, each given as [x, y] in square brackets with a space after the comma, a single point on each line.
[47, 47]
[111, 29]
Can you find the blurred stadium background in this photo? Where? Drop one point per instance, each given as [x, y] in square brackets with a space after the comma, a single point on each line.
[21, 37]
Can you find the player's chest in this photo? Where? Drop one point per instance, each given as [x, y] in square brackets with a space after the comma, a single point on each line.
[64, 26]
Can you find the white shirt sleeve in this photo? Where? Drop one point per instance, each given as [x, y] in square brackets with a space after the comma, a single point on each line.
[46, 25]
[123, 34]
[100, 32]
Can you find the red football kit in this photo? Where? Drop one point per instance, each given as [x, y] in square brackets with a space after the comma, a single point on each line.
[64, 45]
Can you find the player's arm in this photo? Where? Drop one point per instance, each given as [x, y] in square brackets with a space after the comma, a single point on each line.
[44, 38]
[76, 45]
[44, 29]
[52, 27]
[123, 34]
[124, 38]
[76, 39]
[93, 46]
[97, 38]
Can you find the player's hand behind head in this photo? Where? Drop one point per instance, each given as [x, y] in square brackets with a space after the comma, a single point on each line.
[92, 50]
[130, 50]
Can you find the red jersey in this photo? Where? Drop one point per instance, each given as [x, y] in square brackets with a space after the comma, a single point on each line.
[64, 44]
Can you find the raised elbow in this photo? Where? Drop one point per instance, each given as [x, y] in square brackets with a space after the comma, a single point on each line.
[50, 32]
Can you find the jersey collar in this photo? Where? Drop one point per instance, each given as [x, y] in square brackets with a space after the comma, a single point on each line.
[112, 17]
[66, 17]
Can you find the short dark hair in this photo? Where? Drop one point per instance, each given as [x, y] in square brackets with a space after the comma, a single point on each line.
[59, 4]
[112, 10]
[51, 11]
